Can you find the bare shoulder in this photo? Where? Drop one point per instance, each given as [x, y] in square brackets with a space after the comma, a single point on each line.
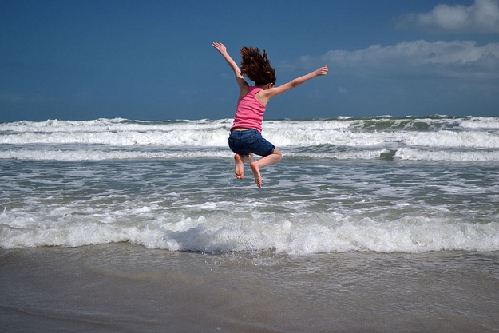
[264, 95]
[243, 87]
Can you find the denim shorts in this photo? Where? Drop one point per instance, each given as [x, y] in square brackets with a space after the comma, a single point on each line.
[250, 141]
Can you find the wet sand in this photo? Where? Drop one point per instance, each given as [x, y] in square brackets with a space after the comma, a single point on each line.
[128, 288]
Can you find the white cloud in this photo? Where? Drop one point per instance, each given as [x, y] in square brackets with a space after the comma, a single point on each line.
[342, 91]
[481, 17]
[418, 59]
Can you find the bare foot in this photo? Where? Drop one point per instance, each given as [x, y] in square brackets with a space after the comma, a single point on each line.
[239, 167]
[256, 171]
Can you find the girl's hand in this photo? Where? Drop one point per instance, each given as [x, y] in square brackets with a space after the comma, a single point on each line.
[321, 71]
[220, 47]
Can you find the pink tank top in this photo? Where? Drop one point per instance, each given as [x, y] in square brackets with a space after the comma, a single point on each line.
[249, 111]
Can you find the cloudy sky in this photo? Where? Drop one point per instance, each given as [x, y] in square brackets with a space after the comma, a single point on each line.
[153, 60]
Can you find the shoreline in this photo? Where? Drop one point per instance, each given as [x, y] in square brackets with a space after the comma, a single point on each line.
[123, 287]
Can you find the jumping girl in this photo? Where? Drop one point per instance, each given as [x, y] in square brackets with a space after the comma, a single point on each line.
[245, 135]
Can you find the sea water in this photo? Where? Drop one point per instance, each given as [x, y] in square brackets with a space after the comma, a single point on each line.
[397, 190]
[345, 184]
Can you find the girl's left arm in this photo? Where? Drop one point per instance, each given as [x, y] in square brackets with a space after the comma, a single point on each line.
[275, 91]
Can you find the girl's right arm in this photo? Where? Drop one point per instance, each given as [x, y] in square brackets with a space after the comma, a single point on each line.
[243, 85]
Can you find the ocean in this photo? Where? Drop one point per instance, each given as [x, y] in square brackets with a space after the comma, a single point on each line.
[371, 224]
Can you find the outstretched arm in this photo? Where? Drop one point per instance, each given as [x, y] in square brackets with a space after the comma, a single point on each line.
[272, 92]
[232, 64]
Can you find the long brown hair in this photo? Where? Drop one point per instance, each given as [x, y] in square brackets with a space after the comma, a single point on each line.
[256, 66]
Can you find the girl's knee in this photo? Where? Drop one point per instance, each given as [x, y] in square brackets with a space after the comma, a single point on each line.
[278, 153]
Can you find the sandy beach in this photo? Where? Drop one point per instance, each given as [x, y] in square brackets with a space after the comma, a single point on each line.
[128, 288]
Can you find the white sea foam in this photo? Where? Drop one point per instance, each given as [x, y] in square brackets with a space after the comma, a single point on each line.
[326, 232]
[102, 155]
[453, 139]
[402, 154]
[408, 154]
[357, 155]
[283, 137]
[451, 156]
[365, 132]
[481, 123]
[172, 137]
[109, 125]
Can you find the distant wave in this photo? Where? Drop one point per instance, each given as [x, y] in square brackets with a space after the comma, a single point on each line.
[436, 138]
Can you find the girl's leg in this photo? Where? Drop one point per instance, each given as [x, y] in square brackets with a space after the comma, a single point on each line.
[240, 160]
[273, 158]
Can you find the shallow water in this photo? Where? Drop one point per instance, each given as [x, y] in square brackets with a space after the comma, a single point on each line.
[327, 206]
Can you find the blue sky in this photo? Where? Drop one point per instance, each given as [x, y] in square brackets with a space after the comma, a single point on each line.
[153, 60]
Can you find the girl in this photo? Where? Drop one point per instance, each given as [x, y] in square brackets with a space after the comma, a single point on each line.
[245, 138]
